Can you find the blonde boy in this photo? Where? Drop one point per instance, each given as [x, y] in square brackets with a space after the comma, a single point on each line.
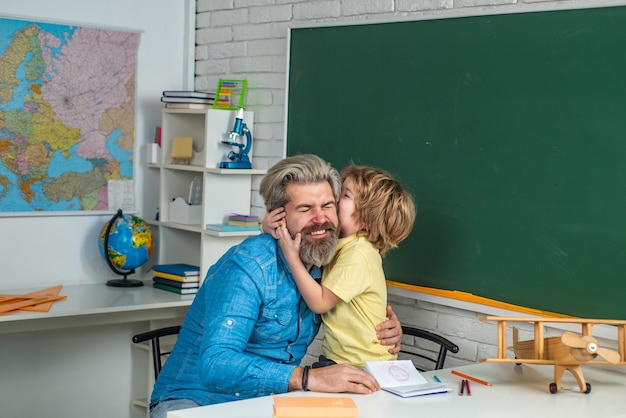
[375, 214]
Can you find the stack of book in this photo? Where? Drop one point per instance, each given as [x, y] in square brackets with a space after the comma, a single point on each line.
[187, 99]
[243, 220]
[237, 223]
[178, 278]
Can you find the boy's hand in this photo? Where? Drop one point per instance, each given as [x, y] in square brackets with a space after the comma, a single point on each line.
[272, 220]
[290, 247]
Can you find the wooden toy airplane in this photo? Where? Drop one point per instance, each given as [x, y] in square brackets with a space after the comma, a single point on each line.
[567, 352]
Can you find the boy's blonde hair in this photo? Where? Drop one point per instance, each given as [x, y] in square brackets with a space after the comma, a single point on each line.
[384, 208]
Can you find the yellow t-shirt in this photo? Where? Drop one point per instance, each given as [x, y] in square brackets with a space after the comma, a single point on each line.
[356, 276]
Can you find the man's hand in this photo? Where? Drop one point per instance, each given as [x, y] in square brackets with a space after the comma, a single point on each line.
[389, 332]
[337, 378]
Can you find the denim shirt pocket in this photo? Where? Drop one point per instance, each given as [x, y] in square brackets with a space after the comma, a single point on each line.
[272, 326]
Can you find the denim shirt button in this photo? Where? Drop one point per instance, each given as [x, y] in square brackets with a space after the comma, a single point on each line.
[229, 322]
[237, 394]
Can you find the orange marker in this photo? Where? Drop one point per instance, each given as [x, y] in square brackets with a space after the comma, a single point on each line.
[473, 379]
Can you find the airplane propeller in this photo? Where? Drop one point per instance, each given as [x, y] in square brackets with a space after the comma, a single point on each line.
[586, 348]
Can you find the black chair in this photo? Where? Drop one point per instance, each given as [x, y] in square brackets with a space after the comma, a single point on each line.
[444, 344]
[155, 339]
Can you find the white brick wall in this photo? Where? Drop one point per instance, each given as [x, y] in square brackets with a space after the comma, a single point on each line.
[248, 39]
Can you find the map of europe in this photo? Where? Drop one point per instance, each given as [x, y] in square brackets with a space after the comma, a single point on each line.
[67, 99]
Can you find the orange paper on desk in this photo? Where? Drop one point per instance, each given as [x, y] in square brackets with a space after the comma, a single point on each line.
[38, 301]
[43, 307]
[21, 303]
[314, 407]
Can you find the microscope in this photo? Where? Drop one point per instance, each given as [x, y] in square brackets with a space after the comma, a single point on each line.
[239, 156]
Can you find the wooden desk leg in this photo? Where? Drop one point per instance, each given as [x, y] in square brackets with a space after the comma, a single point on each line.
[621, 342]
[539, 344]
[502, 339]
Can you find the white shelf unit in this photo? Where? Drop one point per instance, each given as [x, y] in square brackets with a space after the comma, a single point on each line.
[224, 191]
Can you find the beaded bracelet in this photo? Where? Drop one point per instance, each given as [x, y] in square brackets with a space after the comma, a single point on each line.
[305, 377]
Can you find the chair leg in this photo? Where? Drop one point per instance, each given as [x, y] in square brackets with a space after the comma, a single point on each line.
[156, 356]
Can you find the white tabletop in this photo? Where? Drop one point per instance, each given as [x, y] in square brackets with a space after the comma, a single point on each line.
[516, 391]
[88, 304]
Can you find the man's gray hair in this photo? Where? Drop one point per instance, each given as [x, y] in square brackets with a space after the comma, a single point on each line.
[302, 169]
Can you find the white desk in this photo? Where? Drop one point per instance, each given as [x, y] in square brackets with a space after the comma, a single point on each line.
[96, 304]
[77, 360]
[517, 391]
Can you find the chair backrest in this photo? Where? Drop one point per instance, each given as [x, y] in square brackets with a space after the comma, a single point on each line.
[155, 339]
[444, 344]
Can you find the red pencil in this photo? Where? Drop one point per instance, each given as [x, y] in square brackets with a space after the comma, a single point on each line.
[482, 382]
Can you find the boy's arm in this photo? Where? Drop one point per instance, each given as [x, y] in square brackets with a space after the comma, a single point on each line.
[317, 297]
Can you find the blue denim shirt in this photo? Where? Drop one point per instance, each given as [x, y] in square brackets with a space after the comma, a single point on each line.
[245, 332]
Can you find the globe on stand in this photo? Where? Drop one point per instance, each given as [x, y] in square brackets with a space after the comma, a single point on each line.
[128, 242]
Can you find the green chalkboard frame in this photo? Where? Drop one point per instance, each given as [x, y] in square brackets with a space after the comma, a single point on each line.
[509, 129]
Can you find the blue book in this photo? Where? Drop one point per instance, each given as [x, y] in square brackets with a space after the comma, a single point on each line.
[177, 269]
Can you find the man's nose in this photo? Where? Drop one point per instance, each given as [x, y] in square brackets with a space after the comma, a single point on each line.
[318, 215]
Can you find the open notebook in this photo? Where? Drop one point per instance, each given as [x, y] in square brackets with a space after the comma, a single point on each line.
[401, 378]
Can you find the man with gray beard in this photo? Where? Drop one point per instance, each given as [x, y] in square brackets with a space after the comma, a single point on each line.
[248, 327]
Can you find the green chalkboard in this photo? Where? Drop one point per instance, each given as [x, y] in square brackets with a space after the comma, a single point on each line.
[510, 130]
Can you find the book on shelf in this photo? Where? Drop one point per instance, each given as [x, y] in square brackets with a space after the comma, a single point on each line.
[176, 283]
[157, 136]
[176, 277]
[243, 223]
[232, 228]
[314, 407]
[188, 93]
[179, 269]
[172, 99]
[243, 220]
[401, 378]
[188, 106]
[179, 290]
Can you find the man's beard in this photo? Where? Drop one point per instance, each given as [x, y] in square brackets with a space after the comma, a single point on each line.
[318, 252]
